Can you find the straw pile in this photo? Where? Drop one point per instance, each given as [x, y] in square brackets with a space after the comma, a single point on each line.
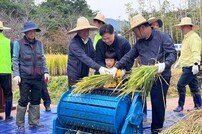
[87, 84]
[192, 124]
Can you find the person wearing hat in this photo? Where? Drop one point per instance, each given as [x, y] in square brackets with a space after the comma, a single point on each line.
[5, 71]
[153, 48]
[30, 72]
[98, 21]
[112, 42]
[81, 53]
[155, 23]
[189, 60]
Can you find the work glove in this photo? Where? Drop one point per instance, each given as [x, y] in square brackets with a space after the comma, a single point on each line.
[113, 72]
[46, 77]
[177, 64]
[161, 67]
[104, 70]
[195, 69]
[17, 80]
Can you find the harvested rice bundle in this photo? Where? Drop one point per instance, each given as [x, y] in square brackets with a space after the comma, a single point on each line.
[140, 80]
[87, 84]
[192, 124]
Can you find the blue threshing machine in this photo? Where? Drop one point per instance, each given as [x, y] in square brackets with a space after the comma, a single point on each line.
[99, 112]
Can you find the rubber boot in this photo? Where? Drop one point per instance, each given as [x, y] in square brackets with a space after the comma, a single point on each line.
[20, 118]
[8, 108]
[34, 116]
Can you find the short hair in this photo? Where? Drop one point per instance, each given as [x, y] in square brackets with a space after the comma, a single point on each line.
[106, 28]
[110, 55]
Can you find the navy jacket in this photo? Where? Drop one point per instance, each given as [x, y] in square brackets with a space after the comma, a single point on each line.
[159, 47]
[80, 58]
[120, 45]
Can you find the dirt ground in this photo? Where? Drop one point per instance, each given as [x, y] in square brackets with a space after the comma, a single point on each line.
[171, 104]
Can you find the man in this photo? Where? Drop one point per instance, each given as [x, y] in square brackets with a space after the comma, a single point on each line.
[98, 21]
[155, 23]
[5, 72]
[29, 70]
[189, 60]
[112, 42]
[81, 53]
[152, 46]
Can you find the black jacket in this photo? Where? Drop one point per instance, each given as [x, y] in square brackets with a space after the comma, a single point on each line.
[80, 59]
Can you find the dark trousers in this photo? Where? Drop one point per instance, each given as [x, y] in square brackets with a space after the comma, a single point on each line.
[45, 95]
[30, 91]
[6, 84]
[158, 101]
[187, 78]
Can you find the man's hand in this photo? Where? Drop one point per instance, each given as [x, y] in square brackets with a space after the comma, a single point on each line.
[17, 80]
[46, 77]
[161, 67]
[104, 70]
[195, 69]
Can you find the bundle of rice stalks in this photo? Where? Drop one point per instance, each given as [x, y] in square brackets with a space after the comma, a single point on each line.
[140, 80]
[87, 84]
[192, 124]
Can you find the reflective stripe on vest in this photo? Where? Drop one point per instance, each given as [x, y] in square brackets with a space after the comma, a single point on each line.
[5, 54]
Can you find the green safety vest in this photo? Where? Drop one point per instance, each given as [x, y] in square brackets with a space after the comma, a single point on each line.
[5, 55]
[96, 38]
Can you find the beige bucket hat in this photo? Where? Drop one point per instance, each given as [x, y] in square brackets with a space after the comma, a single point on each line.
[100, 17]
[153, 19]
[185, 21]
[2, 26]
[137, 20]
[82, 23]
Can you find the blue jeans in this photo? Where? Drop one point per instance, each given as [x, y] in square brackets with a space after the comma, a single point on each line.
[187, 78]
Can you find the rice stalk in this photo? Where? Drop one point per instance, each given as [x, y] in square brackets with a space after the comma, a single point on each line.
[192, 124]
[140, 80]
[87, 84]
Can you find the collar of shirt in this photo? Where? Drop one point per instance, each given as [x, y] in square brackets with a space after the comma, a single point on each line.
[188, 34]
[85, 41]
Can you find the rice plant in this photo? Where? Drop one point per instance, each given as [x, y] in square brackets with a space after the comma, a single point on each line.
[87, 84]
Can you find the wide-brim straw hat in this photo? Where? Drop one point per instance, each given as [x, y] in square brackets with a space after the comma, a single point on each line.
[153, 19]
[30, 25]
[185, 21]
[2, 27]
[136, 21]
[100, 17]
[82, 23]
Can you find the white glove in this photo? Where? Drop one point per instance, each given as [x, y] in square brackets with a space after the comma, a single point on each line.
[195, 69]
[17, 80]
[104, 70]
[46, 77]
[123, 72]
[177, 64]
[161, 67]
[113, 71]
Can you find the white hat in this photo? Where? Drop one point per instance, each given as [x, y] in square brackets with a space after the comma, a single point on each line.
[185, 21]
[2, 27]
[82, 23]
